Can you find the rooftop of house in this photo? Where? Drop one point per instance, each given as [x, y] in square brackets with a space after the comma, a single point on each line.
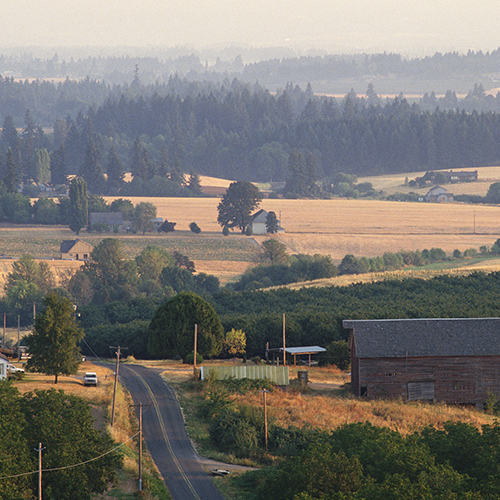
[386, 338]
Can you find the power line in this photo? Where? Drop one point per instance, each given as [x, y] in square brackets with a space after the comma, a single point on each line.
[74, 465]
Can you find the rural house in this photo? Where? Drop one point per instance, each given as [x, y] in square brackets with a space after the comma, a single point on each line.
[447, 360]
[439, 194]
[3, 367]
[258, 223]
[108, 220]
[75, 250]
[461, 176]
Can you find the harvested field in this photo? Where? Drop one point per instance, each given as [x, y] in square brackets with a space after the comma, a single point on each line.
[333, 227]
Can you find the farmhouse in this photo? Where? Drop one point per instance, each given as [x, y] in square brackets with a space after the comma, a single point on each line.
[258, 223]
[3, 367]
[439, 194]
[75, 250]
[461, 176]
[448, 360]
[107, 220]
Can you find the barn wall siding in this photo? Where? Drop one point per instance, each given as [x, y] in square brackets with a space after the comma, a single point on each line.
[459, 380]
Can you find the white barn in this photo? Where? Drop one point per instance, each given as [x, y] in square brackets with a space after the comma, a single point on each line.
[258, 223]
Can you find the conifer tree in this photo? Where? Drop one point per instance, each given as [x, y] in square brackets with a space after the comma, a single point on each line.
[11, 178]
[78, 204]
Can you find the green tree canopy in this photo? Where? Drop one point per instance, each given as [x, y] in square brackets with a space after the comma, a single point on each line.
[53, 345]
[274, 252]
[14, 453]
[151, 262]
[171, 332]
[79, 204]
[28, 282]
[144, 214]
[236, 206]
[112, 274]
[64, 425]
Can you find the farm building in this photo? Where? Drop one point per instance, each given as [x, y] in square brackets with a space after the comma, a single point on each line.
[258, 223]
[447, 360]
[439, 194]
[75, 250]
[108, 220]
[3, 367]
[461, 176]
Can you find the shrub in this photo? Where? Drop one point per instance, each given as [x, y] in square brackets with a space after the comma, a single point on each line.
[194, 228]
[189, 359]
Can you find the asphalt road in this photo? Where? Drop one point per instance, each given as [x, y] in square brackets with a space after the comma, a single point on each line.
[165, 436]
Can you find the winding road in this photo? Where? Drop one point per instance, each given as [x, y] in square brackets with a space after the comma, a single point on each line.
[165, 436]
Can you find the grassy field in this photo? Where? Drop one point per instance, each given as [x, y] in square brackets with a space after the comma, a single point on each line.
[333, 227]
[327, 404]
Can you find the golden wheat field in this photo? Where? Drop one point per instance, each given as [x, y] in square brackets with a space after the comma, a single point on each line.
[340, 226]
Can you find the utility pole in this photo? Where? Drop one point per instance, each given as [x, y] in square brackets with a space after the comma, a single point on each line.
[284, 342]
[39, 449]
[4, 328]
[18, 338]
[141, 406]
[116, 381]
[264, 393]
[195, 347]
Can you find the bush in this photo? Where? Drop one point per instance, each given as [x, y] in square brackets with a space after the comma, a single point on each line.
[189, 359]
[233, 432]
[194, 228]
[225, 230]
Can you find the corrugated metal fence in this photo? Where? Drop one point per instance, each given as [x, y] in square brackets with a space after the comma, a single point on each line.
[275, 374]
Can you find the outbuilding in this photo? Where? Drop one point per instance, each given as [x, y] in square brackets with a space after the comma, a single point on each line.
[75, 250]
[453, 360]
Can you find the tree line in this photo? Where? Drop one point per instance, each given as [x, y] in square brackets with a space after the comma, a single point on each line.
[244, 131]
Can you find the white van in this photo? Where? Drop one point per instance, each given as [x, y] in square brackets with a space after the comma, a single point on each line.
[90, 379]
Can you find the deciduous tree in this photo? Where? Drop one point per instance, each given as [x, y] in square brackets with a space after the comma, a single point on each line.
[236, 206]
[53, 345]
[171, 332]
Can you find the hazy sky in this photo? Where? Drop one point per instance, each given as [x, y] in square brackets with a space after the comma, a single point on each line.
[407, 26]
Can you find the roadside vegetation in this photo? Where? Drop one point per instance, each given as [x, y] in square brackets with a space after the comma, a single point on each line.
[98, 400]
[311, 434]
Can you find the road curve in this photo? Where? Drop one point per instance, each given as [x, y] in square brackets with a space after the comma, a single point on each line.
[165, 435]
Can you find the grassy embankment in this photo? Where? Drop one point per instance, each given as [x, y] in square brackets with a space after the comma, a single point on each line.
[325, 404]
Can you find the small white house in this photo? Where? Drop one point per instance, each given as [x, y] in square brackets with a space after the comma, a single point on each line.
[3, 367]
[439, 194]
[258, 223]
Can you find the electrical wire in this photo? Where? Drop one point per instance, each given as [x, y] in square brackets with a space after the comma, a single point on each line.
[73, 465]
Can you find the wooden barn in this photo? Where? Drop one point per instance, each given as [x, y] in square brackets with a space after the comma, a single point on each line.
[447, 360]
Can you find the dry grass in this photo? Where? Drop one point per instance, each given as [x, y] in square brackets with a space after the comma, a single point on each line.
[290, 407]
[326, 404]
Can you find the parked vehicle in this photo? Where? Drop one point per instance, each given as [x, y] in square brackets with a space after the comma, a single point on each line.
[90, 378]
[14, 369]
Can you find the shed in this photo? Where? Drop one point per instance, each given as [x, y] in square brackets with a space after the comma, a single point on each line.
[453, 360]
[297, 351]
[3, 367]
[75, 250]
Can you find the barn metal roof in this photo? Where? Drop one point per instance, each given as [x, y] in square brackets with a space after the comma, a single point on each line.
[385, 338]
[313, 349]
